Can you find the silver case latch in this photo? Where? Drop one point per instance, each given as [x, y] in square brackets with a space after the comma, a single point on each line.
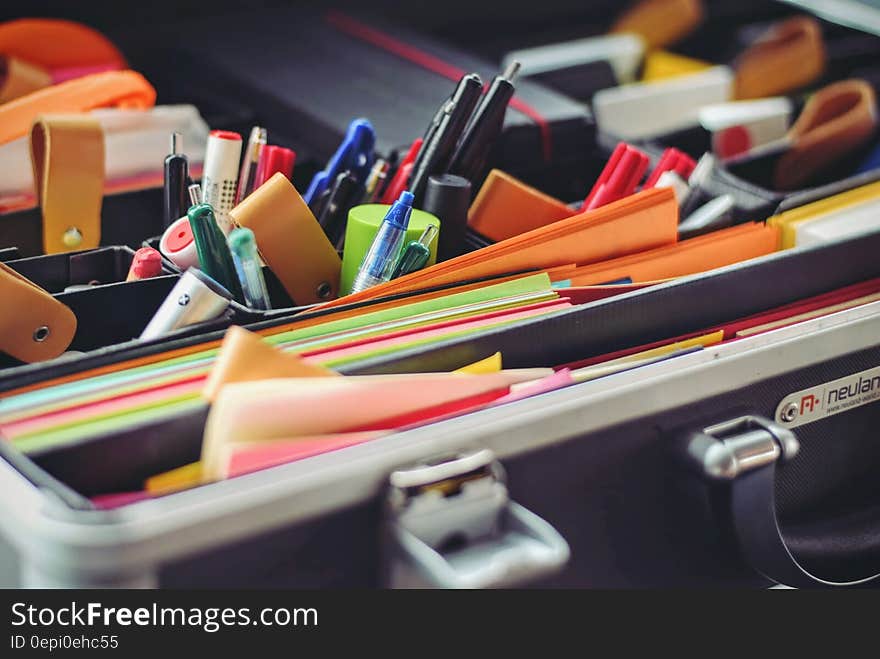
[451, 524]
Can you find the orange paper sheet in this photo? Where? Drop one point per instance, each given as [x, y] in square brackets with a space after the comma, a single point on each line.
[700, 254]
[640, 222]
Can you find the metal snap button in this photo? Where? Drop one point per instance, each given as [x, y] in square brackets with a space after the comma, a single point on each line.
[72, 237]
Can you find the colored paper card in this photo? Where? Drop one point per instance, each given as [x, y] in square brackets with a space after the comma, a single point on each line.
[491, 364]
[248, 457]
[287, 408]
[245, 356]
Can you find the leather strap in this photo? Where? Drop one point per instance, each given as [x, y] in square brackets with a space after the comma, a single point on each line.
[291, 241]
[34, 326]
[67, 153]
[20, 78]
[55, 43]
[119, 89]
[753, 505]
[837, 120]
[661, 23]
[788, 56]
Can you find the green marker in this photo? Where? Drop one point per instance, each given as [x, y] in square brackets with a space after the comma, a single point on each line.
[215, 259]
[416, 254]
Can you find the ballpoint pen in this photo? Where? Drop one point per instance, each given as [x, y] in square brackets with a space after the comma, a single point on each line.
[380, 259]
[176, 166]
[345, 194]
[247, 175]
[243, 246]
[481, 133]
[416, 254]
[439, 145]
[220, 174]
[195, 298]
[215, 258]
[355, 154]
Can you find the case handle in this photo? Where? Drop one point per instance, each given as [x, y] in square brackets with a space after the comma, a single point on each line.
[744, 452]
[451, 524]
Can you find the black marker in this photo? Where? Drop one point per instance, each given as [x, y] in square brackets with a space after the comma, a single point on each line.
[469, 160]
[447, 127]
[176, 173]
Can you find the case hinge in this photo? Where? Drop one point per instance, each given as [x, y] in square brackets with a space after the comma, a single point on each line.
[726, 450]
[451, 524]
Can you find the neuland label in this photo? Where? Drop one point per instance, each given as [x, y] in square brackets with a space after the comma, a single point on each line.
[828, 399]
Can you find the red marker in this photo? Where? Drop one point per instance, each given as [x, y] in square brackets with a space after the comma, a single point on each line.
[619, 179]
[404, 171]
[147, 262]
[274, 159]
[672, 160]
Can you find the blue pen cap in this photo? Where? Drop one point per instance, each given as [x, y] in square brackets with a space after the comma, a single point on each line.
[398, 214]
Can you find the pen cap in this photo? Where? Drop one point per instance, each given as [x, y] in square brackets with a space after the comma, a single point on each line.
[363, 225]
[147, 262]
[274, 159]
[448, 198]
[215, 259]
[195, 298]
[178, 246]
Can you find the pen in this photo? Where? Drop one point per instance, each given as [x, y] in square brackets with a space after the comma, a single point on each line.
[398, 182]
[416, 254]
[356, 154]
[346, 191]
[481, 133]
[274, 159]
[195, 195]
[619, 178]
[672, 160]
[195, 298]
[247, 175]
[381, 258]
[243, 246]
[147, 262]
[215, 258]
[437, 151]
[375, 180]
[176, 167]
[220, 174]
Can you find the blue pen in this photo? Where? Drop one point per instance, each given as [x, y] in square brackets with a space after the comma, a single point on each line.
[382, 256]
[355, 154]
